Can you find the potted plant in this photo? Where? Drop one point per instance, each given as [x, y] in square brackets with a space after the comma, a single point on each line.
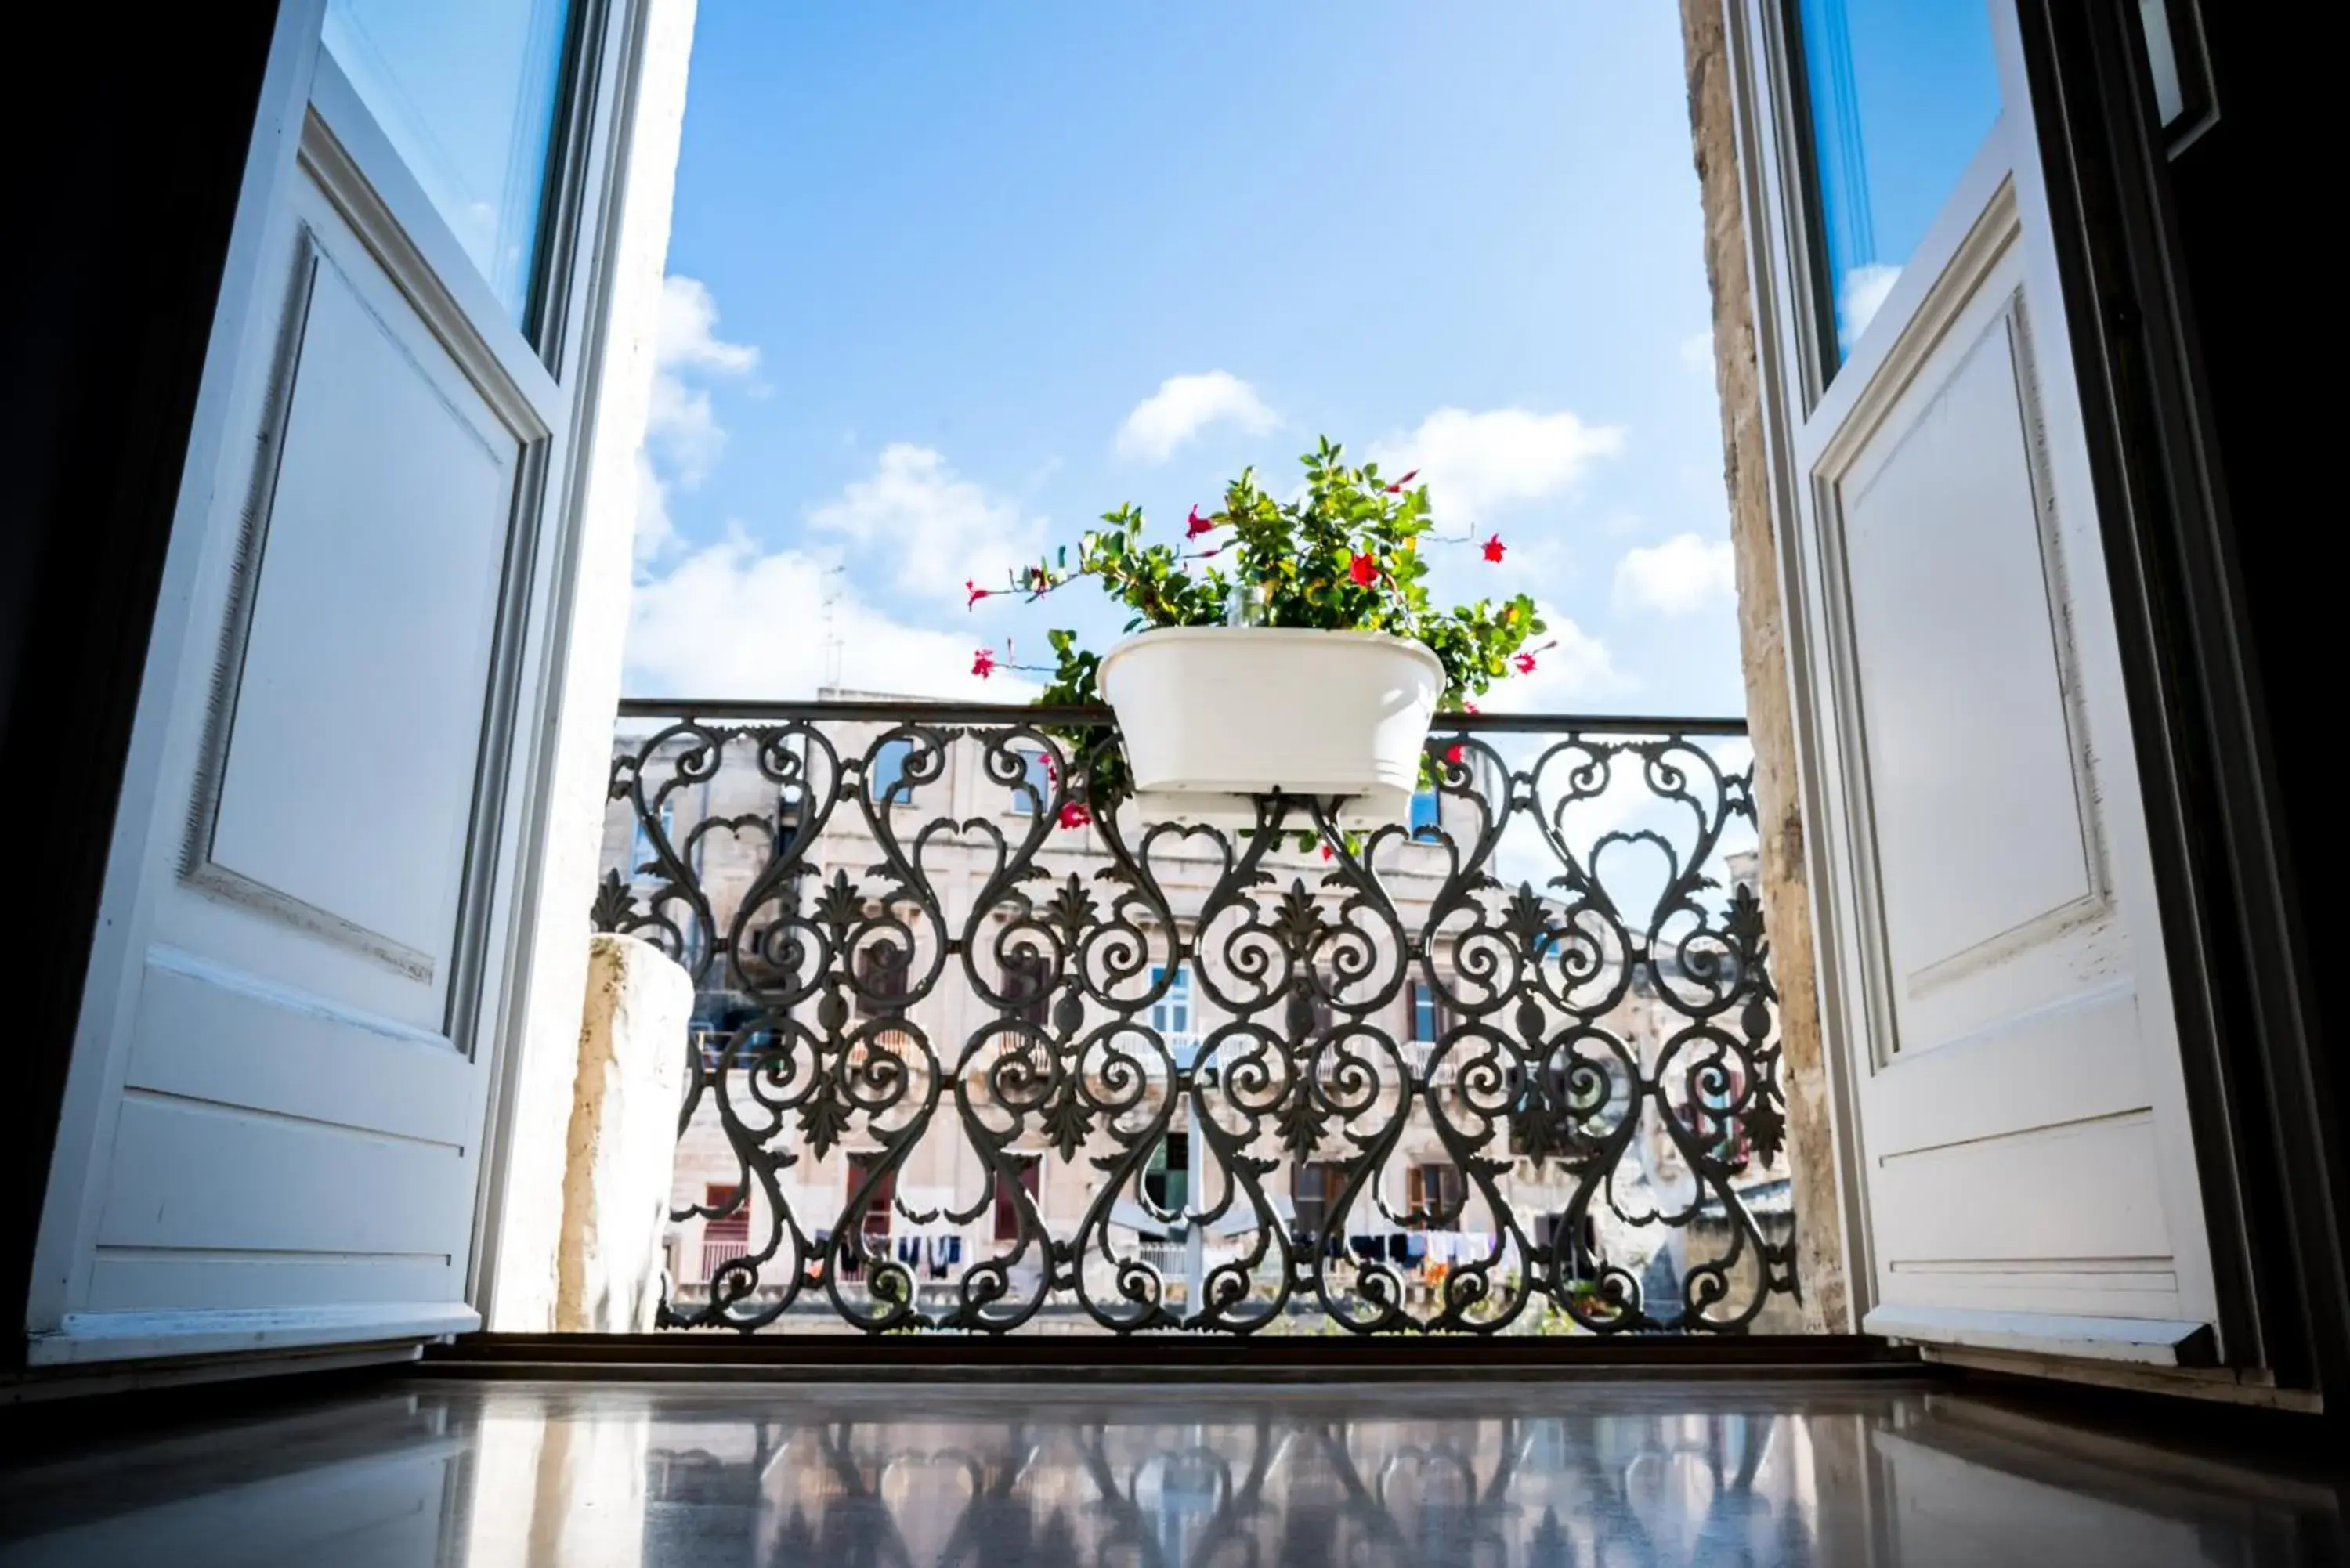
[1286, 646]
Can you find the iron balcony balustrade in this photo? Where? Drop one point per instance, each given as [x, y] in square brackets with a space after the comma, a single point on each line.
[972, 1054]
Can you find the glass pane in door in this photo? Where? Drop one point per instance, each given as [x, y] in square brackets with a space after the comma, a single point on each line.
[466, 91]
[1902, 93]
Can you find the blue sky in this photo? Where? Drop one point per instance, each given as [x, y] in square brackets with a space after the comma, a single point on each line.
[948, 282]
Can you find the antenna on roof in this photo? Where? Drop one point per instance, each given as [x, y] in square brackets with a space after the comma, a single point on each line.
[834, 576]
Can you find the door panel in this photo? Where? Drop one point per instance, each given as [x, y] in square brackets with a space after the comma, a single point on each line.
[1971, 758]
[381, 546]
[282, 1086]
[306, 947]
[1995, 977]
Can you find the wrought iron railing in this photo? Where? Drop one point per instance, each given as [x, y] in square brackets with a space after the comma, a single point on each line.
[1514, 1069]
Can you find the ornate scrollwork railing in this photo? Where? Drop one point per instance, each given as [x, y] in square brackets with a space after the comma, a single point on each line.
[970, 1055]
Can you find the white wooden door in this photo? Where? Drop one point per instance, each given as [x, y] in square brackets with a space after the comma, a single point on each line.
[273, 1129]
[2016, 1131]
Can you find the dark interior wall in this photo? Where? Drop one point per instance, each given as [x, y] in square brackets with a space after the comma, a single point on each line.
[2201, 342]
[2249, 193]
[2252, 192]
[127, 139]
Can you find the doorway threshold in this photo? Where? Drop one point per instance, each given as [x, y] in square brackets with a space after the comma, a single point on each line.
[1172, 1358]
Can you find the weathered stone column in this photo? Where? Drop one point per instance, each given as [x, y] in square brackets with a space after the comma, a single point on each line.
[623, 1141]
[1769, 714]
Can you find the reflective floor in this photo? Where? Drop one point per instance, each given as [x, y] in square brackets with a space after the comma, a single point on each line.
[1525, 1476]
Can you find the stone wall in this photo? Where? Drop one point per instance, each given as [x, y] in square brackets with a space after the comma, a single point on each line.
[1786, 888]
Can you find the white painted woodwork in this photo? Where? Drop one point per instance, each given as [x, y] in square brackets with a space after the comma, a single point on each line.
[2016, 1141]
[376, 606]
[273, 1134]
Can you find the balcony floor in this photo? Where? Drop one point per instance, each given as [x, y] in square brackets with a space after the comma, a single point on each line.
[1526, 1475]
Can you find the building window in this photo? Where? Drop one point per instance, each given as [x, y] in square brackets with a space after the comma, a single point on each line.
[1167, 1180]
[1170, 1015]
[1427, 1014]
[1033, 793]
[1314, 1186]
[883, 966]
[1433, 1193]
[726, 1234]
[1427, 816]
[1578, 1244]
[873, 1227]
[887, 771]
[1028, 1169]
[644, 850]
[1027, 987]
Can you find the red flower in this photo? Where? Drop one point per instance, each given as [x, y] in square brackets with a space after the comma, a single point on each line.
[1525, 663]
[1075, 814]
[1195, 524]
[1364, 570]
[1397, 488]
[1494, 548]
[975, 591]
[982, 663]
[1326, 852]
[1454, 756]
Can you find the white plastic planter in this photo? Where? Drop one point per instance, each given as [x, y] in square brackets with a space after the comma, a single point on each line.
[1212, 715]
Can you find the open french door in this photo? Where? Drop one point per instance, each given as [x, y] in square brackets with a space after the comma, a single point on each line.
[273, 1129]
[2016, 1141]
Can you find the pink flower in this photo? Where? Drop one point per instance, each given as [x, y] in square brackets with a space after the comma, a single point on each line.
[1469, 707]
[976, 592]
[1397, 488]
[1075, 814]
[1525, 663]
[1194, 525]
[982, 663]
[1494, 548]
[1364, 570]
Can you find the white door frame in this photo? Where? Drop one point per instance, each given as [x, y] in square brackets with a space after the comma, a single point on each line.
[1806, 404]
[520, 726]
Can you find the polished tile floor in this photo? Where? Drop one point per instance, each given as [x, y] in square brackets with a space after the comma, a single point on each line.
[1520, 1475]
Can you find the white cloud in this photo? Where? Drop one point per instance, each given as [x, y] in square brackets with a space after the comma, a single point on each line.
[1696, 350]
[729, 622]
[930, 528]
[1579, 667]
[1476, 463]
[683, 436]
[1183, 406]
[655, 529]
[684, 430]
[1864, 289]
[687, 334]
[1683, 575]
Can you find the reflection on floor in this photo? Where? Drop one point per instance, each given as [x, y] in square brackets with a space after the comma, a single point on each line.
[1523, 1476]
